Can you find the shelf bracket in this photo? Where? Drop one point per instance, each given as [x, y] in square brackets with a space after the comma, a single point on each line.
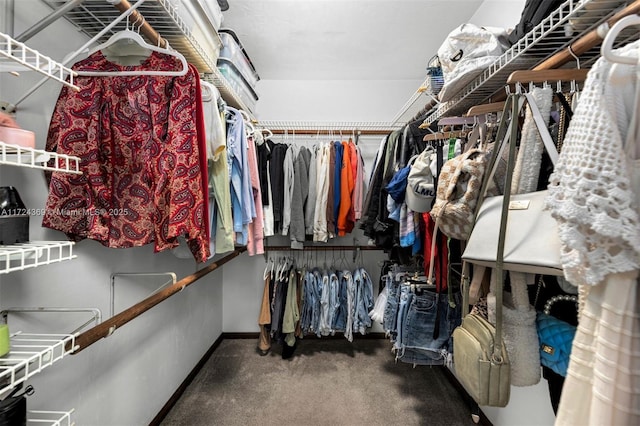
[96, 314]
[173, 278]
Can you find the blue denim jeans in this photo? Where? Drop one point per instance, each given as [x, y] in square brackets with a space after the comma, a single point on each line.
[334, 300]
[364, 300]
[391, 309]
[309, 301]
[427, 328]
[403, 307]
[325, 325]
[317, 308]
[340, 319]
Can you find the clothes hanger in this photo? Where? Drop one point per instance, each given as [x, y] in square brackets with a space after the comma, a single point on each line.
[483, 110]
[607, 45]
[130, 36]
[445, 135]
[545, 76]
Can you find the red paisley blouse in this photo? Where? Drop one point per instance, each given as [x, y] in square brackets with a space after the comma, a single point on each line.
[137, 141]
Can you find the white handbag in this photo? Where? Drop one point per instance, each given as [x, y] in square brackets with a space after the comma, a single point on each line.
[531, 242]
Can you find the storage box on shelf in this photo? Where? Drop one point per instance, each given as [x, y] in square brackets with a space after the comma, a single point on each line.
[233, 52]
[238, 82]
[202, 29]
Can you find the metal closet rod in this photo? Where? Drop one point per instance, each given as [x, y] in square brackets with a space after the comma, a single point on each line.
[106, 328]
[586, 42]
[321, 248]
[146, 28]
[291, 132]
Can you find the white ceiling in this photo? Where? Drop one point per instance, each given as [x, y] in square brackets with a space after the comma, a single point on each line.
[344, 39]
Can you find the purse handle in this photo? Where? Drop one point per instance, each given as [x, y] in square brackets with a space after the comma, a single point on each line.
[514, 102]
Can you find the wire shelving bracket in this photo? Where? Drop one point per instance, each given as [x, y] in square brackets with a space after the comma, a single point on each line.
[15, 56]
[18, 257]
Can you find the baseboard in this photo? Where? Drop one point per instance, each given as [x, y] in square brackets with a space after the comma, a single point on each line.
[183, 386]
[484, 420]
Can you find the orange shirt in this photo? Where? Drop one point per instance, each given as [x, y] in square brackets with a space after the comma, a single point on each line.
[345, 220]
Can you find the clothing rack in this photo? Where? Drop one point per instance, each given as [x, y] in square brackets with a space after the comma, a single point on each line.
[106, 328]
[321, 248]
[315, 128]
[589, 40]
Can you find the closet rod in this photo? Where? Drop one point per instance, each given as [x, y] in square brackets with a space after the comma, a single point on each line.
[326, 132]
[146, 28]
[586, 42]
[321, 248]
[47, 20]
[106, 328]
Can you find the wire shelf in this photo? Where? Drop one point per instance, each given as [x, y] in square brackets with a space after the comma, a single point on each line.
[226, 91]
[30, 354]
[16, 56]
[16, 155]
[49, 418]
[18, 257]
[554, 33]
[93, 15]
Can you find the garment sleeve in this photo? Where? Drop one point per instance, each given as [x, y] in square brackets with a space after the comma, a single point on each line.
[183, 207]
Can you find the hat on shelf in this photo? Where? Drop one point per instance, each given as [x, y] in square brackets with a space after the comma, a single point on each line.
[421, 189]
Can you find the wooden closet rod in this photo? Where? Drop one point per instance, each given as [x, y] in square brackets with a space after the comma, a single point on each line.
[551, 76]
[107, 327]
[485, 109]
[321, 248]
[146, 28]
[586, 42]
[334, 132]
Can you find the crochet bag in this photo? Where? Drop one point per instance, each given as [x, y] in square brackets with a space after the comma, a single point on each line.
[459, 185]
[555, 336]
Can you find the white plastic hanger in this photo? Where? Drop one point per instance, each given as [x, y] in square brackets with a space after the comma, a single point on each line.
[607, 44]
[130, 36]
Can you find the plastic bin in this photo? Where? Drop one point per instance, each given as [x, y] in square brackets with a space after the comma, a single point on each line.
[233, 51]
[238, 83]
[202, 29]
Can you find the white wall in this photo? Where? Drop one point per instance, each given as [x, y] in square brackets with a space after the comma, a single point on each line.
[126, 378]
[333, 100]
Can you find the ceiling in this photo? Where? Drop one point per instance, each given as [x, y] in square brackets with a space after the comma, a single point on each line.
[344, 39]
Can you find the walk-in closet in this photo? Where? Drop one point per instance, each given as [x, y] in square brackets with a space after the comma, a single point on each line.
[319, 212]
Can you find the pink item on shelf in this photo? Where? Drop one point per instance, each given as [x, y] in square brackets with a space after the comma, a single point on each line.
[20, 137]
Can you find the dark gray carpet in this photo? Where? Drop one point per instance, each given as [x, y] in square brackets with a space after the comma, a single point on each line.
[327, 382]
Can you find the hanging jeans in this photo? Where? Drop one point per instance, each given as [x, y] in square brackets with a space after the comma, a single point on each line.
[334, 300]
[391, 309]
[428, 327]
[403, 308]
[364, 300]
[309, 302]
[340, 320]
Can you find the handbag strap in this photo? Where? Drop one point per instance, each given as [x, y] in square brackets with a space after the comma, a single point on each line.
[542, 128]
[497, 349]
